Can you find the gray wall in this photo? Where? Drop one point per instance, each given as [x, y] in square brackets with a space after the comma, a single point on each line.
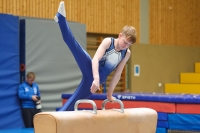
[49, 57]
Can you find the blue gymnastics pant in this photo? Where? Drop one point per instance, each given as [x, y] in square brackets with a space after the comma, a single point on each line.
[83, 60]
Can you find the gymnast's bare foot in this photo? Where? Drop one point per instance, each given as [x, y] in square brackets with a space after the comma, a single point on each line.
[61, 10]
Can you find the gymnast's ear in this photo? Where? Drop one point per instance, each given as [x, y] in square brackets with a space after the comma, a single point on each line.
[120, 34]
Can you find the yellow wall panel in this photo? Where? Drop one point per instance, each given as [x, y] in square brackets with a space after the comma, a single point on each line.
[174, 22]
[100, 16]
[1, 5]
[171, 22]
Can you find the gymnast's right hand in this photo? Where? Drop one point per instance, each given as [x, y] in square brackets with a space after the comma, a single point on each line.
[95, 86]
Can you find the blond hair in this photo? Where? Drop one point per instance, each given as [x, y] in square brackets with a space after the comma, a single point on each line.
[31, 75]
[130, 33]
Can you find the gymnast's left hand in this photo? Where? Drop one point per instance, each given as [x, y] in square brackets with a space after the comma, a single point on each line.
[95, 86]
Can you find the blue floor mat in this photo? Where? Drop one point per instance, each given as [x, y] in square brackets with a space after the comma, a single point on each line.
[20, 130]
[161, 130]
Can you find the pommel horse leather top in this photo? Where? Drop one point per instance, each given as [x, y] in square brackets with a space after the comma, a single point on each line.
[133, 120]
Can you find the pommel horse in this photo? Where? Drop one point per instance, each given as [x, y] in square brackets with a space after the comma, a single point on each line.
[132, 120]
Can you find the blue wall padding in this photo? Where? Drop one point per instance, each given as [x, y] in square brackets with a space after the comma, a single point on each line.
[187, 119]
[163, 124]
[10, 112]
[161, 130]
[162, 116]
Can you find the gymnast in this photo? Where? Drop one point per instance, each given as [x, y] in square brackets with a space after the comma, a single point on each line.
[111, 55]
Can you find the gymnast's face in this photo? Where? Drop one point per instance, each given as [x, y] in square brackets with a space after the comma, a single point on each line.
[123, 42]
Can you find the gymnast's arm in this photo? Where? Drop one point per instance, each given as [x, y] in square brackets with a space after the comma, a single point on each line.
[95, 63]
[116, 77]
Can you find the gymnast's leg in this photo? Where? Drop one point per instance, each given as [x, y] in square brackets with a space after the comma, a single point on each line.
[82, 92]
[81, 56]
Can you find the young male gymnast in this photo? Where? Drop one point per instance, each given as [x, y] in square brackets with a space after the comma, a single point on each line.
[112, 54]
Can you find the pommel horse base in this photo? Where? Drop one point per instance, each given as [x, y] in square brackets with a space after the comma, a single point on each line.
[133, 120]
